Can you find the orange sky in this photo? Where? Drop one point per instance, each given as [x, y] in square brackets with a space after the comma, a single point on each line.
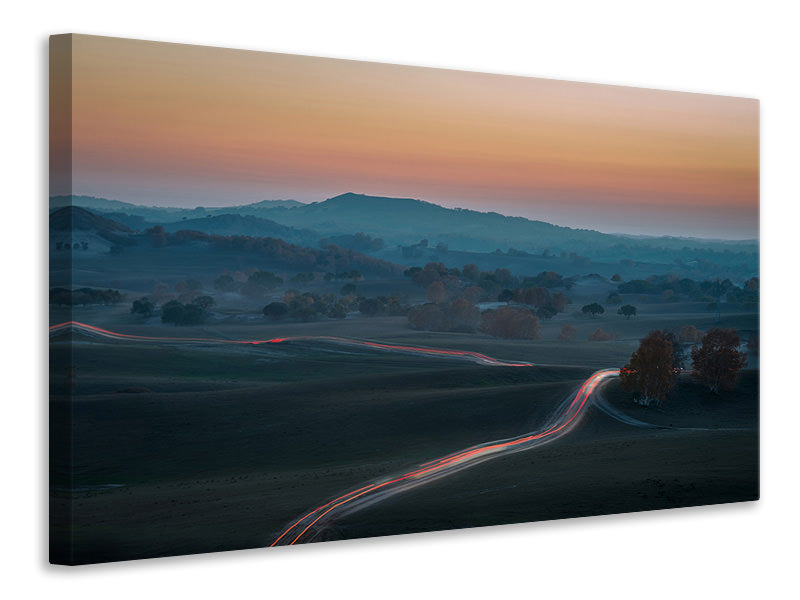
[169, 124]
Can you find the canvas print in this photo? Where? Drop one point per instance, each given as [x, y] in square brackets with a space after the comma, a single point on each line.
[298, 299]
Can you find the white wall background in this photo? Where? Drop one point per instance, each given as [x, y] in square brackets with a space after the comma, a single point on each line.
[736, 48]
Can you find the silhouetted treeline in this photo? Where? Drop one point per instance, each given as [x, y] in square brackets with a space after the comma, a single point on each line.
[83, 296]
[672, 288]
[331, 258]
[359, 242]
[308, 306]
[459, 315]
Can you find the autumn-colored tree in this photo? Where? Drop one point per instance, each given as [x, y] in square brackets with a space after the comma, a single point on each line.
[532, 296]
[511, 322]
[428, 317]
[717, 361]
[752, 284]
[600, 336]
[452, 286]
[567, 333]
[559, 301]
[464, 315]
[474, 294]
[436, 292]
[470, 271]
[650, 371]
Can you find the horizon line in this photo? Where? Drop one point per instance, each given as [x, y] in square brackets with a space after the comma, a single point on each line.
[308, 203]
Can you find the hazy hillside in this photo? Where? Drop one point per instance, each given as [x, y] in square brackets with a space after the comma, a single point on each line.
[248, 225]
[74, 218]
[405, 222]
[161, 214]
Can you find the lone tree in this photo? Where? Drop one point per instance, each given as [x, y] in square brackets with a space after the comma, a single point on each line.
[717, 361]
[593, 309]
[276, 310]
[437, 292]
[143, 306]
[627, 311]
[650, 371]
[567, 333]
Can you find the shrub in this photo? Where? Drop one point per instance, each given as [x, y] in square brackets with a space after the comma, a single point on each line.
[276, 310]
[600, 336]
[567, 333]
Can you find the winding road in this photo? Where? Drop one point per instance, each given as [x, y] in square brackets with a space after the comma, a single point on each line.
[308, 527]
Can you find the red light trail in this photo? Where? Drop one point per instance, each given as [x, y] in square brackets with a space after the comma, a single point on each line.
[94, 331]
[307, 527]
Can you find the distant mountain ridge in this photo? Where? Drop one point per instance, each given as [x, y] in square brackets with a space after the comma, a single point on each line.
[406, 221]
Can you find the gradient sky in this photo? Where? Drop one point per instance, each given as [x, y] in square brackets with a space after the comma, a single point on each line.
[179, 125]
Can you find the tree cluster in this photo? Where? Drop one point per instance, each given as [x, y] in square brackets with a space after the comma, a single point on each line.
[593, 309]
[514, 322]
[359, 242]
[309, 306]
[459, 315]
[191, 313]
[672, 288]
[493, 283]
[330, 258]
[84, 296]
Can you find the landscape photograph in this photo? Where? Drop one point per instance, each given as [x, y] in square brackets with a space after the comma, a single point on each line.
[297, 299]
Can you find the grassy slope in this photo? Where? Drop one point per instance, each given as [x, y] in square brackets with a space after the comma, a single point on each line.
[227, 468]
[229, 444]
[604, 467]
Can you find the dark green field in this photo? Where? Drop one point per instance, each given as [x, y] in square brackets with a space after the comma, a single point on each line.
[185, 449]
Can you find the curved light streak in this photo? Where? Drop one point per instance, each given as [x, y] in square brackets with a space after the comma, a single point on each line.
[94, 331]
[307, 527]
